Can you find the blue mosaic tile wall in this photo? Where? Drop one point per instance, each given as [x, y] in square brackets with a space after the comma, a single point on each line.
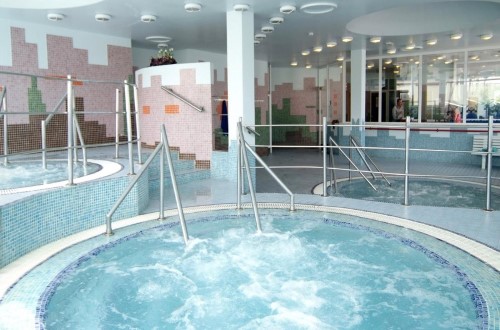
[456, 141]
[32, 222]
[224, 164]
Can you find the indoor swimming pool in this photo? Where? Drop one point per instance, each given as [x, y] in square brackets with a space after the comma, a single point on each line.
[21, 176]
[305, 270]
[428, 192]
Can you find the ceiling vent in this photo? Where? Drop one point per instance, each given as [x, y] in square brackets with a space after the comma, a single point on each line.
[287, 9]
[102, 17]
[267, 29]
[241, 7]
[192, 7]
[276, 20]
[148, 18]
[55, 17]
[260, 36]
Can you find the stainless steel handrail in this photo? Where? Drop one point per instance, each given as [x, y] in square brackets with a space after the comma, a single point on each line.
[3, 104]
[249, 176]
[171, 92]
[163, 146]
[363, 154]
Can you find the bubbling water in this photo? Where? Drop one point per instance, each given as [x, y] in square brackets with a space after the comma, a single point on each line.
[298, 274]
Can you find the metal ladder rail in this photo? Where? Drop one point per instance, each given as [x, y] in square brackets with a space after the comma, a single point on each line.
[363, 153]
[163, 146]
[352, 163]
[171, 92]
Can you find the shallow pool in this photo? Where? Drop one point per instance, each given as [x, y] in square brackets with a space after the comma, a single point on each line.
[306, 270]
[421, 192]
[19, 174]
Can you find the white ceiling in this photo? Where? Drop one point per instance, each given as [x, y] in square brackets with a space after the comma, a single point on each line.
[398, 22]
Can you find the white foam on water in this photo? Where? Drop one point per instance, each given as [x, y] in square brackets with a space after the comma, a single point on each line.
[15, 316]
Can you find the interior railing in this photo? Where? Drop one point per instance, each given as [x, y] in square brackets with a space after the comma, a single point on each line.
[408, 126]
[242, 155]
[183, 99]
[163, 149]
[3, 112]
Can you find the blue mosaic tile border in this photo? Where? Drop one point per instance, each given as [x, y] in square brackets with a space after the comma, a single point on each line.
[479, 302]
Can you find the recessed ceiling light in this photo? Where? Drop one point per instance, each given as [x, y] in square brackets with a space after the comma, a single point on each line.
[391, 51]
[410, 46]
[306, 52]
[260, 36]
[192, 7]
[456, 36]
[448, 61]
[294, 63]
[148, 18]
[287, 9]
[267, 29]
[318, 7]
[162, 45]
[340, 58]
[486, 36]
[317, 49]
[241, 7]
[331, 44]
[256, 41]
[347, 38]
[431, 42]
[370, 65]
[102, 17]
[375, 40]
[388, 61]
[55, 17]
[276, 20]
[308, 66]
[159, 39]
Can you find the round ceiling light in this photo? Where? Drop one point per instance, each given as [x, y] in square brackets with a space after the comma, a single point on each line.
[306, 52]
[148, 18]
[375, 40]
[55, 17]
[287, 9]
[102, 17]
[486, 36]
[260, 36]
[340, 58]
[192, 7]
[256, 41]
[431, 42]
[294, 63]
[331, 44]
[241, 7]
[276, 20]
[159, 39]
[267, 29]
[317, 49]
[456, 36]
[318, 7]
[391, 51]
[347, 38]
[308, 66]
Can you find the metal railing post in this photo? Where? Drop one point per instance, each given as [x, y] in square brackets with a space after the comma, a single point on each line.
[129, 129]
[249, 177]
[44, 145]
[488, 168]
[407, 156]
[3, 101]
[73, 121]
[137, 126]
[69, 107]
[162, 179]
[117, 123]
[166, 148]
[238, 173]
[325, 146]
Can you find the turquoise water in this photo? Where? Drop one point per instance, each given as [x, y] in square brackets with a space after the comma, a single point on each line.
[300, 273]
[421, 192]
[26, 174]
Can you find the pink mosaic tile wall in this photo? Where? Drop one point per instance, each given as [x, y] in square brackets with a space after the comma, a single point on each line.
[63, 60]
[188, 130]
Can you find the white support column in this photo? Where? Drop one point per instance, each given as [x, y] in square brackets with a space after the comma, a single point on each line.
[358, 80]
[240, 71]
